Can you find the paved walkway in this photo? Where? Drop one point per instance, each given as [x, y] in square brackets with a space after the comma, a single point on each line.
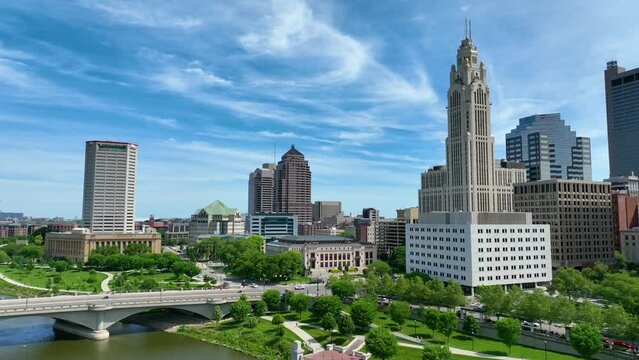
[105, 283]
[306, 337]
[457, 351]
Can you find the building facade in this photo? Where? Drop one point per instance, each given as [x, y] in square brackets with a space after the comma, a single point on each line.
[625, 215]
[579, 214]
[62, 227]
[477, 249]
[549, 148]
[293, 186]
[261, 191]
[110, 172]
[622, 109]
[471, 180]
[629, 244]
[11, 229]
[624, 184]
[214, 220]
[270, 225]
[324, 253]
[79, 243]
[326, 209]
[370, 213]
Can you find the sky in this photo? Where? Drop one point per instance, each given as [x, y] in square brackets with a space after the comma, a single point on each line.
[208, 89]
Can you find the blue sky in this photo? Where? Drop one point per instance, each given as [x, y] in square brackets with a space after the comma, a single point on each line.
[208, 88]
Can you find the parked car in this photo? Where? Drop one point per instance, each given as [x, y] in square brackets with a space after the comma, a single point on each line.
[299, 287]
[253, 285]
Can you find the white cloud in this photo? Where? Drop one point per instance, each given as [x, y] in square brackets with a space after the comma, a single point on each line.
[145, 14]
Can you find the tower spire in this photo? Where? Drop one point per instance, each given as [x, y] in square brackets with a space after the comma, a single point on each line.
[470, 30]
[465, 28]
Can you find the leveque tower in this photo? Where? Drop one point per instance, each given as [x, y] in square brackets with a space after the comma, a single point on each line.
[471, 180]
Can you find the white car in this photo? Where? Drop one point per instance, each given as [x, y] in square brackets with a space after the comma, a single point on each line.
[253, 285]
[299, 287]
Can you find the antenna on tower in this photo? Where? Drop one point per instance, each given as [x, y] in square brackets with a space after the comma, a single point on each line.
[470, 30]
[465, 28]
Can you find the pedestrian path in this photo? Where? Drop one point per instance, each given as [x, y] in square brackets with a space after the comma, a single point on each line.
[457, 351]
[17, 283]
[105, 283]
[293, 326]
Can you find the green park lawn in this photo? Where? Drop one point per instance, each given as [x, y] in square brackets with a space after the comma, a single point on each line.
[72, 279]
[262, 341]
[462, 341]
[324, 338]
[405, 353]
[7, 289]
[307, 317]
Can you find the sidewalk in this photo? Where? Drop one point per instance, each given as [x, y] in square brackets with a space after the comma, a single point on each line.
[306, 337]
[105, 283]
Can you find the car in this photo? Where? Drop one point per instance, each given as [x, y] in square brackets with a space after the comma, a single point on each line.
[606, 341]
[622, 344]
[253, 285]
[299, 287]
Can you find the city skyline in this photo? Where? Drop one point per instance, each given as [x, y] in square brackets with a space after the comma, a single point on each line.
[361, 93]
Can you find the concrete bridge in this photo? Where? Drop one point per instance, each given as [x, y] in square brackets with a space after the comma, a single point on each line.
[90, 316]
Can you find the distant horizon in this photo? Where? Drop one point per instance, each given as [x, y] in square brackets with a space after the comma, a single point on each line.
[208, 89]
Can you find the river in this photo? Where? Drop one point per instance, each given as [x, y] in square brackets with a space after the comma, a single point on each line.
[33, 338]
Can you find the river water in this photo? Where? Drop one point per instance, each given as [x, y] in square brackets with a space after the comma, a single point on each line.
[33, 338]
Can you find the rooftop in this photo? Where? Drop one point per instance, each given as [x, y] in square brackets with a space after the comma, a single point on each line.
[218, 208]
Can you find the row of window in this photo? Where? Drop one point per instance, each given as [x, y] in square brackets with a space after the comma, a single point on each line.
[521, 248]
[441, 256]
[513, 267]
[513, 258]
[514, 276]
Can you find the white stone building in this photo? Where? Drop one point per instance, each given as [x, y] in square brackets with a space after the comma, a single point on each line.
[480, 249]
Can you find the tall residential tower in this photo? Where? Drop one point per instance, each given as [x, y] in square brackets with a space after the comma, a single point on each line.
[110, 171]
[262, 190]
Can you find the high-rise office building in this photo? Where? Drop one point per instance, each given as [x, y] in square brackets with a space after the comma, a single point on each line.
[471, 180]
[262, 190]
[579, 214]
[326, 209]
[549, 148]
[370, 213]
[110, 171]
[293, 186]
[622, 108]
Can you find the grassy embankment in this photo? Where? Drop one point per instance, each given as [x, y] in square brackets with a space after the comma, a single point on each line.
[71, 279]
[7, 289]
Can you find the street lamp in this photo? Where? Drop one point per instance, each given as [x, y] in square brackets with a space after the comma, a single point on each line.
[545, 350]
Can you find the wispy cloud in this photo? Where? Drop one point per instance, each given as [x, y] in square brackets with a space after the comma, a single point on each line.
[140, 13]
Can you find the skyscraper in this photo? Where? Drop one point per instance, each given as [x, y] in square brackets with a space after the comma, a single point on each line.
[110, 171]
[470, 181]
[549, 148]
[326, 209]
[293, 186]
[622, 108]
[262, 190]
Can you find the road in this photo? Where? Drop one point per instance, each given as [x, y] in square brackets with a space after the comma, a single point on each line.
[65, 303]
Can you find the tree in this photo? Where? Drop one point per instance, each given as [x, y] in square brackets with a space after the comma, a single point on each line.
[381, 343]
[509, 330]
[378, 268]
[512, 301]
[586, 340]
[280, 330]
[137, 249]
[240, 310]
[436, 352]
[363, 313]
[453, 295]
[346, 325]
[329, 323]
[187, 268]
[562, 311]
[277, 319]
[535, 306]
[218, 315]
[343, 287]
[447, 323]
[38, 240]
[433, 292]
[398, 259]
[429, 317]
[259, 309]
[570, 282]
[471, 325]
[399, 311]
[590, 313]
[327, 304]
[4, 258]
[60, 265]
[616, 321]
[149, 284]
[299, 302]
[252, 322]
[273, 299]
